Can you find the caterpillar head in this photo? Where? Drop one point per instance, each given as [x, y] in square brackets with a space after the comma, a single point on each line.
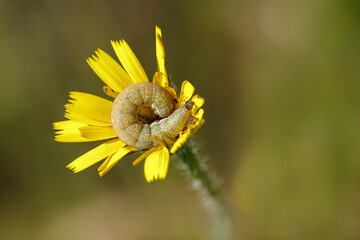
[189, 105]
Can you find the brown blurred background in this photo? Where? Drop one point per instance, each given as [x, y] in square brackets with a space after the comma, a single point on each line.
[281, 83]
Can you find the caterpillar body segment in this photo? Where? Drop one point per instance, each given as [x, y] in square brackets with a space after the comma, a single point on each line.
[143, 115]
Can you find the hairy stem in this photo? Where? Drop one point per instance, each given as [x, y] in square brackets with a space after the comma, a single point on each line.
[196, 169]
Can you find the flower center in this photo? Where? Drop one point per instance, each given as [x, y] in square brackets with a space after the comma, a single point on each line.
[146, 115]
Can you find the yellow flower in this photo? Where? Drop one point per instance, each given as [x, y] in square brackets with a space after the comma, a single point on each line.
[89, 116]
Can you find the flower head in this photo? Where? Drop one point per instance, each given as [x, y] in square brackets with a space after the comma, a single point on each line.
[91, 118]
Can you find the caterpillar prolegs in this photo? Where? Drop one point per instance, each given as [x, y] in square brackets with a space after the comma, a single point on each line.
[144, 114]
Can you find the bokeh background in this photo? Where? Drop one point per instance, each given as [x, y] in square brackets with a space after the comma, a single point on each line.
[282, 132]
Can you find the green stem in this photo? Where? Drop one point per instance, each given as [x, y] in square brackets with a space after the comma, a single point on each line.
[199, 173]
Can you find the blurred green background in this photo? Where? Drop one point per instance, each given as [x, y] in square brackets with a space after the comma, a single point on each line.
[281, 83]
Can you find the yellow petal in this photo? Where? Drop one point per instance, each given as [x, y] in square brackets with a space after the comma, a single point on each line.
[129, 61]
[71, 136]
[90, 107]
[191, 130]
[72, 131]
[95, 155]
[180, 141]
[144, 155]
[69, 131]
[109, 71]
[199, 101]
[199, 115]
[160, 57]
[156, 165]
[187, 90]
[160, 79]
[81, 118]
[113, 159]
[97, 133]
[196, 127]
[108, 91]
[68, 124]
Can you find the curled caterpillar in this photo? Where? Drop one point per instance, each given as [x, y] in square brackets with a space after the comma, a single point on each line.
[144, 114]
